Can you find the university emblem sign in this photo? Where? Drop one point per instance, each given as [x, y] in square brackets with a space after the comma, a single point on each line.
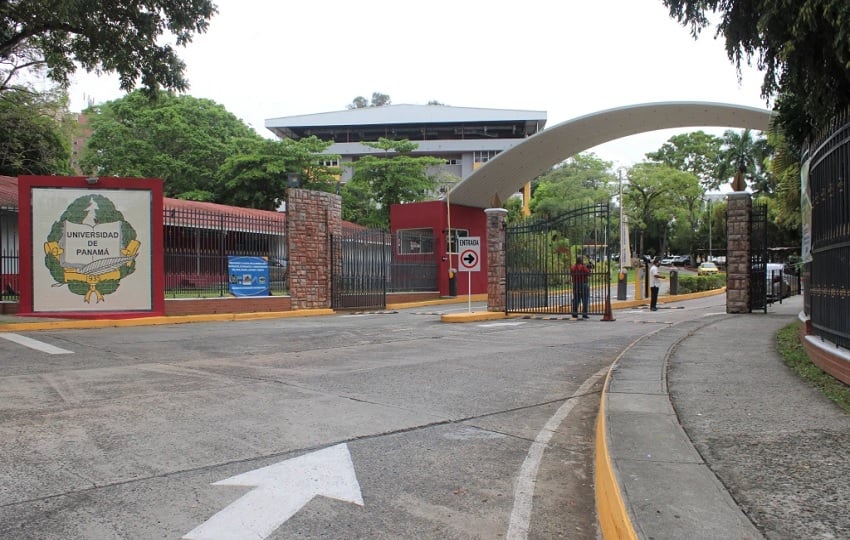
[91, 248]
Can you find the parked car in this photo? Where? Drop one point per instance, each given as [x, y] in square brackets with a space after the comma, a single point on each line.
[682, 260]
[778, 281]
[278, 272]
[667, 261]
[707, 268]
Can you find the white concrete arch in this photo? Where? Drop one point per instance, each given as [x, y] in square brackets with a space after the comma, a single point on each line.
[505, 174]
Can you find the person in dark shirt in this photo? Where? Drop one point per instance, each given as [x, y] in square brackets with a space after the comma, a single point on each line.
[581, 287]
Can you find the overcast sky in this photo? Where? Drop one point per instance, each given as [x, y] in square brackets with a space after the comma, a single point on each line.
[264, 59]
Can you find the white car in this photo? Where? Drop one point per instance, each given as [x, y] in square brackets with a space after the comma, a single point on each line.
[667, 261]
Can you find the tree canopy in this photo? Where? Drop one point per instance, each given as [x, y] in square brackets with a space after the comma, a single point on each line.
[396, 177]
[582, 179]
[257, 176]
[102, 37]
[36, 133]
[181, 139]
[742, 153]
[378, 100]
[802, 47]
[696, 152]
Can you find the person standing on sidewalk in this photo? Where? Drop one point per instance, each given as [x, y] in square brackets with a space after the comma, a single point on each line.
[581, 288]
[655, 281]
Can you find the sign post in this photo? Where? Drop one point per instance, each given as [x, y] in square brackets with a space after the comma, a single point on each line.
[469, 260]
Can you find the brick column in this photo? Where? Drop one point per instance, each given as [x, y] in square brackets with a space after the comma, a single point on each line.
[311, 218]
[496, 258]
[738, 252]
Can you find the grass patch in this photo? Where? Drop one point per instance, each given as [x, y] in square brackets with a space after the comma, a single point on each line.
[791, 348]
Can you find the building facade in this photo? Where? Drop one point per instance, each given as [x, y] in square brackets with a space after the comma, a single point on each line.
[464, 138]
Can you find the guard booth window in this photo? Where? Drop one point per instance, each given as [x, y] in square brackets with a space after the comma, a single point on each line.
[451, 240]
[415, 241]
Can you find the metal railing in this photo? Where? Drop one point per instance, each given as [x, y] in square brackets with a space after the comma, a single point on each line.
[198, 245]
[10, 285]
[827, 287]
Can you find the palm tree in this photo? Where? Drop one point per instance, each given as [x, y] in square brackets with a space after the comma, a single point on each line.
[743, 159]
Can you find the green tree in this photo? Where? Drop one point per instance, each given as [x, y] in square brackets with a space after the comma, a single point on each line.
[36, 133]
[257, 175]
[378, 100]
[57, 36]
[785, 167]
[651, 201]
[396, 177]
[581, 180]
[181, 139]
[744, 156]
[696, 152]
[803, 48]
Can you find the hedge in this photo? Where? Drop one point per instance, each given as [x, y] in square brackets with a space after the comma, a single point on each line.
[692, 284]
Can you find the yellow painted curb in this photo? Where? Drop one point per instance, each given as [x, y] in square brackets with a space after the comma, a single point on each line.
[473, 316]
[669, 299]
[439, 302]
[614, 522]
[158, 321]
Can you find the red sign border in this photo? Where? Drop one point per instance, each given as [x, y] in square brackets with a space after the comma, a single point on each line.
[25, 187]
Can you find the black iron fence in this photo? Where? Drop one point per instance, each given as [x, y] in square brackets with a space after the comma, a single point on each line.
[199, 244]
[10, 285]
[827, 288]
[759, 284]
[413, 265]
[369, 263]
[540, 254]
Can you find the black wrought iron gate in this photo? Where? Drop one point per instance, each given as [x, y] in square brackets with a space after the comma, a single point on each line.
[360, 259]
[540, 252]
[758, 258]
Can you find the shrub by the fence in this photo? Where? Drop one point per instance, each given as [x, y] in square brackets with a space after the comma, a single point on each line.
[692, 284]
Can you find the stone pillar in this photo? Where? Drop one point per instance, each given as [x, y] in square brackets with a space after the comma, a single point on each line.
[738, 252]
[311, 218]
[496, 225]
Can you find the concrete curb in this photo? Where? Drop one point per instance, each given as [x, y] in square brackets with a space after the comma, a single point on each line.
[645, 462]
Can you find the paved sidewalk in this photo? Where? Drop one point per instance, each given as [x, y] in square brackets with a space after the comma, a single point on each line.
[709, 435]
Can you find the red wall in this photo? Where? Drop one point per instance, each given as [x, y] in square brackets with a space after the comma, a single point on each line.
[435, 215]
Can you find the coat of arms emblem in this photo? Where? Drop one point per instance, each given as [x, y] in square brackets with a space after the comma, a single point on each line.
[91, 248]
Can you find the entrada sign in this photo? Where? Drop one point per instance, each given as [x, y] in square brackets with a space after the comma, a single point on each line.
[469, 250]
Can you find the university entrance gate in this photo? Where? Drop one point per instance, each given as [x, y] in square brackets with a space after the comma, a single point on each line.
[540, 252]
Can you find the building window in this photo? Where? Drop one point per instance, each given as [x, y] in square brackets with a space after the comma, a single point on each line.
[329, 163]
[415, 241]
[483, 156]
[452, 162]
[451, 240]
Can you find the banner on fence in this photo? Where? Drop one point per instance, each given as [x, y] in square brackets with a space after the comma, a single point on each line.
[249, 276]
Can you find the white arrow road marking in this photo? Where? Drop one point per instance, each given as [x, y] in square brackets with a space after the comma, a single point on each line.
[491, 325]
[524, 490]
[281, 490]
[34, 344]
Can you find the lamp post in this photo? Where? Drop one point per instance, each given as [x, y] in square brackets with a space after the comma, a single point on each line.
[446, 189]
[625, 251]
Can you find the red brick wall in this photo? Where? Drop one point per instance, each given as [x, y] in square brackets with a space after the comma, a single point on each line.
[202, 306]
[311, 218]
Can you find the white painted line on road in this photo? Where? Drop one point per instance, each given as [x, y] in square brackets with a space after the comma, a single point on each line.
[491, 325]
[524, 491]
[34, 344]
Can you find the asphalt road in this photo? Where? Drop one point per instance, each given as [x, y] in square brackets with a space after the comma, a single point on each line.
[384, 425]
